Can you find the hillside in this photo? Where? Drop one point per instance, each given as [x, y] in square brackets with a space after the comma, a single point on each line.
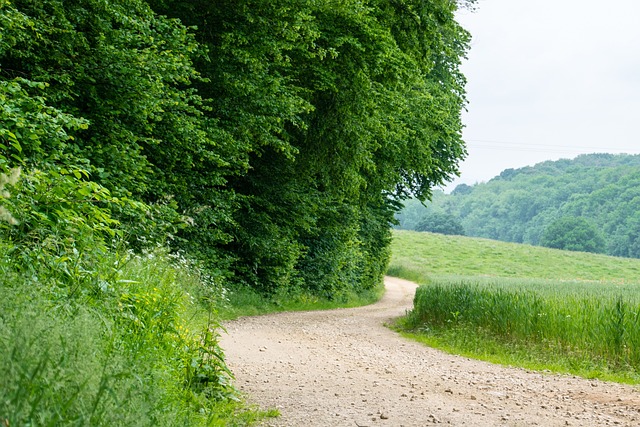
[590, 203]
[440, 255]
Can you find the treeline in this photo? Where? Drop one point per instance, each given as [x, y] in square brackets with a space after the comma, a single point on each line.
[272, 140]
[590, 203]
[154, 154]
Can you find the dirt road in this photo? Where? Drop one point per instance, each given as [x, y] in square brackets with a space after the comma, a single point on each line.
[344, 368]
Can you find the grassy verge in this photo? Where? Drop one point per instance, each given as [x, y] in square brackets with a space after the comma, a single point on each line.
[585, 322]
[482, 345]
[247, 302]
[125, 340]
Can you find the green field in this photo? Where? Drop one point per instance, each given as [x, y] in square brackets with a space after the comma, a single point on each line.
[522, 305]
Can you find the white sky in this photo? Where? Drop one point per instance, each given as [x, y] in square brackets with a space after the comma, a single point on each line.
[549, 79]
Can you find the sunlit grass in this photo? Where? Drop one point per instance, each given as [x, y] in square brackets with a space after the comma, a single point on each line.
[542, 309]
[134, 345]
[424, 255]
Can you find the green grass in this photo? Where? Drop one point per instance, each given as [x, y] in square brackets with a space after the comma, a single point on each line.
[106, 338]
[425, 255]
[482, 345]
[127, 340]
[520, 305]
[247, 302]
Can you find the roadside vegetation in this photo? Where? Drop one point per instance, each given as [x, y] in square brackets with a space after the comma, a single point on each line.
[520, 305]
[111, 339]
[247, 302]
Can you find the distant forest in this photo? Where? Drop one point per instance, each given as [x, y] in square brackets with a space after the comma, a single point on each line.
[590, 203]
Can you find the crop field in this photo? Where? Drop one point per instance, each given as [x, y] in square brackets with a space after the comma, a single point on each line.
[523, 305]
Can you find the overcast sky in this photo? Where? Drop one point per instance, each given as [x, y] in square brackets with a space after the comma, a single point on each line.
[549, 79]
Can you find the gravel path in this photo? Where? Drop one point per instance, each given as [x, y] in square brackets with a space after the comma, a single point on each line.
[344, 368]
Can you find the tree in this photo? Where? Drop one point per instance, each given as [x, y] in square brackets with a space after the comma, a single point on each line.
[277, 138]
[573, 234]
[462, 189]
[342, 110]
[441, 223]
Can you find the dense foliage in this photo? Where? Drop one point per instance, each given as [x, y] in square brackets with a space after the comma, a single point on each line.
[272, 140]
[340, 110]
[269, 141]
[573, 234]
[440, 223]
[590, 203]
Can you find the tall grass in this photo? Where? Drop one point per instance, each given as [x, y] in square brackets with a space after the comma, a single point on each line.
[594, 325]
[588, 327]
[130, 343]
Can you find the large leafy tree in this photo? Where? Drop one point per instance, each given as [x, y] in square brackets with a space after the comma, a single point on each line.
[377, 134]
[284, 133]
[441, 223]
[342, 109]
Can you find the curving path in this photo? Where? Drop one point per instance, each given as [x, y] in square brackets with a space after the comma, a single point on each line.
[345, 368]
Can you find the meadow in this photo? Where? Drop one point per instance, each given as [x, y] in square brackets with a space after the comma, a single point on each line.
[521, 305]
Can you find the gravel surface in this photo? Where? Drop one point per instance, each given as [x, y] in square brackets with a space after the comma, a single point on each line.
[345, 368]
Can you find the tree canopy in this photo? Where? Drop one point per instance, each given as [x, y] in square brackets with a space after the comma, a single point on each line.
[272, 140]
[573, 234]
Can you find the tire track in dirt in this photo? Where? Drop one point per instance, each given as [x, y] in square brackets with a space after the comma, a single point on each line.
[345, 368]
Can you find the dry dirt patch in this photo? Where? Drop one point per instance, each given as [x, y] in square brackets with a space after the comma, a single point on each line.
[345, 368]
